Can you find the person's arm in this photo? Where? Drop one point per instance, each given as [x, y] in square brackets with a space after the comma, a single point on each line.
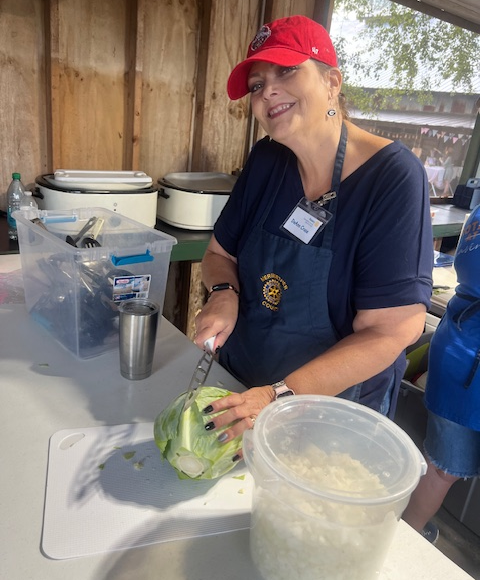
[379, 337]
[219, 315]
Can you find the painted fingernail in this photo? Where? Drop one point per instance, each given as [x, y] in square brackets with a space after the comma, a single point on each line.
[210, 426]
[208, 409]
[222, 437]
[236, 458]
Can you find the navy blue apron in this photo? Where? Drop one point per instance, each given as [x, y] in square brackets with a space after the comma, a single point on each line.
[283, 319]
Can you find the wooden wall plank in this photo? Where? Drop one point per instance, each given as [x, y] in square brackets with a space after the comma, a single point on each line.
[135, 45]
[196, 299]
[91, 91]
[200, 86]
[169, 69]
[323, 12]
[225, 122]
[52, 76]
[280, 8]
[22, 79]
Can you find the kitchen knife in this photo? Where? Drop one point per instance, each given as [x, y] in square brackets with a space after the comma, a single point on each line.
[200, 374]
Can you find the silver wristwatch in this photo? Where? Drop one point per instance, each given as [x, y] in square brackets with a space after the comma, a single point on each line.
[281, 390]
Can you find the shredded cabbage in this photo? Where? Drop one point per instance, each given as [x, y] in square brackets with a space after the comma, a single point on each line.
[295, 534]
[183, 441]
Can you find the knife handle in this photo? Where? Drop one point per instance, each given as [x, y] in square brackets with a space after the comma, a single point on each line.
[209, 344]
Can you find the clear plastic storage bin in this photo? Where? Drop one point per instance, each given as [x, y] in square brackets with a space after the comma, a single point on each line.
[74, 291]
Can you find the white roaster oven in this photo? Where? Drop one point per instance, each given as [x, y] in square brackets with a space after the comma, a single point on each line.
[130, 193]
[194, 200]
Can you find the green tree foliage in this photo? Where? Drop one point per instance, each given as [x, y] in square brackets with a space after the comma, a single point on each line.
[412, 46]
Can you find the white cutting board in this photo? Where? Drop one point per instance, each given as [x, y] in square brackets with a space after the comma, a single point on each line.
[108, 489]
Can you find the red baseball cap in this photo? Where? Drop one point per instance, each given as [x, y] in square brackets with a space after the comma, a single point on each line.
[287, 42]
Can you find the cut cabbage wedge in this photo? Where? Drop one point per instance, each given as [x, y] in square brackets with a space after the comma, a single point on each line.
[192, 451]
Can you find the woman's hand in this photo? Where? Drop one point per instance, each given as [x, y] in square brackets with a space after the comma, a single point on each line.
[240, 410]
[217, 318]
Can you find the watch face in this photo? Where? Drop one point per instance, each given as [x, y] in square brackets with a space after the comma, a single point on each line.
[286, 393]
[224, 286]
[281, 390]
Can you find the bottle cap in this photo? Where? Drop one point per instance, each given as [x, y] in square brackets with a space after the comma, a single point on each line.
[15, 175]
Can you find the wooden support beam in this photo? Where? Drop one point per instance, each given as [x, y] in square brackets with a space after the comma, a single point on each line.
[195, 163]
[322, 12]
[134, 51]
[52, 83]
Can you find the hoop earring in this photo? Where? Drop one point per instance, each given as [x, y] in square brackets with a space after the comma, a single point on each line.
[331, 112]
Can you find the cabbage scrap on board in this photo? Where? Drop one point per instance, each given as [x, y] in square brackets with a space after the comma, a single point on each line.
[192, 451]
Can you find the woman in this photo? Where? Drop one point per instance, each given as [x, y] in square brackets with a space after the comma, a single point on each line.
[432, 159]
[452, 395]
[447, 162]
[314, 297]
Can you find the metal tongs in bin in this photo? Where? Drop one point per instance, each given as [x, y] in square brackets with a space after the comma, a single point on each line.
[200, 374]
[73, 240]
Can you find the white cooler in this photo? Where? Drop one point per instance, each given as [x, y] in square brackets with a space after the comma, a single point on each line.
[129, 193]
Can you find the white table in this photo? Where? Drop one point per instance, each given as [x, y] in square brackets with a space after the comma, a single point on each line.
[38, 400]
[435, 175]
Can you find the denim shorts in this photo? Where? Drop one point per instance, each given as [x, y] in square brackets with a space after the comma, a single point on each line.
[453, 448]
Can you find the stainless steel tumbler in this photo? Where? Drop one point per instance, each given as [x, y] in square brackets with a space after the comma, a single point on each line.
[138, 333]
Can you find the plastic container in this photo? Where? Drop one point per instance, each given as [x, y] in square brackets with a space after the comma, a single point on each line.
[15, 194]
[332, 479]
[74, 292]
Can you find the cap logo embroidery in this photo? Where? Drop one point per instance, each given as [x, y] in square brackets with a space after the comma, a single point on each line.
[261, 37]
[314, 50]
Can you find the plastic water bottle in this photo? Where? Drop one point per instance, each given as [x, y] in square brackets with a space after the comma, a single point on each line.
[15, 193]
[28, 201]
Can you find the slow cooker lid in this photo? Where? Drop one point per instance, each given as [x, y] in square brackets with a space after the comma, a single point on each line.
[47, 181]
[87, 179]
[199, 182]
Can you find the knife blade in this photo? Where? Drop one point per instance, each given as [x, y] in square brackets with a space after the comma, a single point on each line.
[200, 373]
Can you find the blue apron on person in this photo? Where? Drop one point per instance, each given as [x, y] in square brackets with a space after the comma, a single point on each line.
[283, 319]
[453, 380]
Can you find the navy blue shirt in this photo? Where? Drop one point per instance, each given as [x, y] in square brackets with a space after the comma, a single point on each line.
[382, 244]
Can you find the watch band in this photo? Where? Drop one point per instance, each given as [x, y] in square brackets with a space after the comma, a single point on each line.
[222, 286]
[281, 390]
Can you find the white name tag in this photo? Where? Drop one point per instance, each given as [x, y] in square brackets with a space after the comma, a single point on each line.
[306, 220]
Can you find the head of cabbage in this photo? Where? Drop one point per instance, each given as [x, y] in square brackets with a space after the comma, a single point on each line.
[192, 451]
